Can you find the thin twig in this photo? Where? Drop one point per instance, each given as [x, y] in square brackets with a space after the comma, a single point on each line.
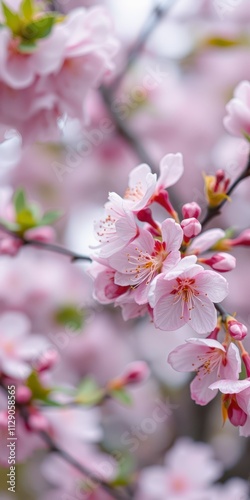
[151, 23]
[223, 313]
[46, 246]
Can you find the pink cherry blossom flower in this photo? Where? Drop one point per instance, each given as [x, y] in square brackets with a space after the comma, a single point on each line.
[17, 348]
[145, 257]
[237, 122]
[191, 210]
[106, 290]
[211, 360]
[173, 480]
[191, 227]
[186, 295]
[237, 400]
[144, 187]
[116, 230]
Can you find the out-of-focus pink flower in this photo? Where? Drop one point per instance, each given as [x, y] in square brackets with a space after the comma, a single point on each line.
[135, 372]
[186, 295]
[174, 481]
[237, 122]
[145, 257]
[211, 360]
[18, 349]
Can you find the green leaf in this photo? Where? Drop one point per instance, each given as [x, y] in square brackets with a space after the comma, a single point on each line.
[88, 392]
[27, 47]
[38, 391]
[70, 316]
[27, 9]
[40, 28]
[50, 217]
[12, 19]
[12, 226]
[122, 396]
[125, 469]
[20, 201]
[223, 43]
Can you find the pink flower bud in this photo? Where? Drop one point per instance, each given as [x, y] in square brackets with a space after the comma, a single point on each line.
[135, 372]
[38, 422]
[46, 361]
[243, 239]
[23, 394]
[222, 262]
[236, 329]
[10, 246]
[236, 415]
[45, 234]
[191, 227]
[191, 210]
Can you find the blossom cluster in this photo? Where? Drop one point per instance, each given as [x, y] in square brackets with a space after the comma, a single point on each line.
[48, 63]
[147, 266]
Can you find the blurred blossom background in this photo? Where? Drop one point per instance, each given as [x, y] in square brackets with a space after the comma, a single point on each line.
[175, 69]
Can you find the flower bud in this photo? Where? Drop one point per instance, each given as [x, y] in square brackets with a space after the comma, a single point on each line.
[236, 415]
[45, 234]
[236, 329]
[191, 210]
[191, 227]
[37, 422]
[23, 394]
[222, 262]
[243, 239]
[46, 361]
[10, 246]
[135, 373]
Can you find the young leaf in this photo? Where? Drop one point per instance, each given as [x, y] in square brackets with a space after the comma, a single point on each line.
[122, 396]
[20, 201]
[38, 391]
[40, 28]
[26, 219]
[50, 217]
[12, 19]
[27, 47]
[88, 392]
[70, 317]
[27, 9]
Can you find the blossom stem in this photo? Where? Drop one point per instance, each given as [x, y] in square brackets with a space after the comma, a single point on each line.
[214, 211]
[46, 246]
[53, 447]
[151, 23]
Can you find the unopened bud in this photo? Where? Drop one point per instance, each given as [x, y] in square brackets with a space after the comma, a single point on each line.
[23, 394]
[236, 415]
[38, 422]
[191, 228]
[191, 210]
[46, 361]
[243, 239]
[222, 262]
[236, 329]
[45, 234]
[135, 372]
[10, 246]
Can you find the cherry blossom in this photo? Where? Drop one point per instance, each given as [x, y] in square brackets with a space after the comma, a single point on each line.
[186, 295]
[17, 348]
[211, 360]
[145, 257]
